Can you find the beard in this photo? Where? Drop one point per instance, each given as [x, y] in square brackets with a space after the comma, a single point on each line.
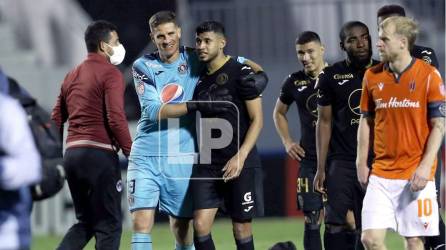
[359, 62]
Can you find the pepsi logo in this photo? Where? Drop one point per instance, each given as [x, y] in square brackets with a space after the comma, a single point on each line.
[172, 93]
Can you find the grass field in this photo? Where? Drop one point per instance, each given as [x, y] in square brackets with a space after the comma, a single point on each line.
[266, 233]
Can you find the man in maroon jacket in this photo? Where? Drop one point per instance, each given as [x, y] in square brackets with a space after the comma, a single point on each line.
[92, 101]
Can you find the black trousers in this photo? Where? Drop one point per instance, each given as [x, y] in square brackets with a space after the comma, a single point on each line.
[94, 179]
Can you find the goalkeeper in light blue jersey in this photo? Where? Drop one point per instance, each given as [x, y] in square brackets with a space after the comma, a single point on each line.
[164, 150]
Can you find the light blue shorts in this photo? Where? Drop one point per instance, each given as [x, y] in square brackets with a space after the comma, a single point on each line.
[163, 181]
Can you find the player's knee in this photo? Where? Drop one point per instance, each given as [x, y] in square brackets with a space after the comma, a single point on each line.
[350, 222]
[414, 243]
[201, 227]
[142, 222]
[371, 240]
[241, 229]
[312, 220]
[180, 228]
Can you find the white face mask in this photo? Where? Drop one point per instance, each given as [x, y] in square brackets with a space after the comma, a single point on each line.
[118, 54]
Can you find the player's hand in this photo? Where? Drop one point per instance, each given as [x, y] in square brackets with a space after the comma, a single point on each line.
[252, 85]
[363, 173]
[211, 101]
[294, 150]
[233, 168]
[420, 178]
[319, 180]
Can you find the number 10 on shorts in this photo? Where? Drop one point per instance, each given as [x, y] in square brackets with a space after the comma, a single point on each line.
[424, 207]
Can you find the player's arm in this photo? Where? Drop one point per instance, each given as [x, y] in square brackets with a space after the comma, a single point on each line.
[59, 113]
[213, 100]
[20, 160]
[323, 136]
[151, 105]
[365, 126]
[294, 150]
[423, 171]
[114, 88]
[436, 107]
[172, 111]
[258, 80]
[234, 166]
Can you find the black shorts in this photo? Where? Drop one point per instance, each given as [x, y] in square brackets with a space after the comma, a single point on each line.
[343, 193]
[307, 199]
[241, 198]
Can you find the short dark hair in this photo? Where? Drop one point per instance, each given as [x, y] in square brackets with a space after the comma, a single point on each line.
[391, 10]
[162, 17]
[211, 26]
[98, 31]
[308, 36]
[348, 26]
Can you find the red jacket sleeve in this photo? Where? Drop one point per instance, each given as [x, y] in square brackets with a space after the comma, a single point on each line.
[114, 104]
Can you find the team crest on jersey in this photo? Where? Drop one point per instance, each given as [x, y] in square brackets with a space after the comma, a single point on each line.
[172, 93]
[182, 69]
[412, 86]
[380, 86]
[222, 79]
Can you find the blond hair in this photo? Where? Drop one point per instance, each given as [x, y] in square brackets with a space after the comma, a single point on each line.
[404, 26]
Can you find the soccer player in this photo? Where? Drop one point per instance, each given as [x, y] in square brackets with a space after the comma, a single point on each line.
[339, 92]
[403, 103]
[299, 87]
[159, 166]
[425, 53]
[428, 55]
[231, 177]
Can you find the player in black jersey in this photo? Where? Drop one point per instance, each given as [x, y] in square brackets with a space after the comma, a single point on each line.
[339, 92]
[428, 55]
[425, 53]
[299, 87]
[230, 176]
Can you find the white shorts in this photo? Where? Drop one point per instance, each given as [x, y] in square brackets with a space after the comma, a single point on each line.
[389, 203]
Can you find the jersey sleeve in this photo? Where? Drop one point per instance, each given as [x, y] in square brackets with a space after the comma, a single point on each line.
[147, 94]
[246, 93]
[285, 92]
[324, 91]
[429, 56]
[436, 95]
[114, 88]
[367, 105]
[434, 60]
